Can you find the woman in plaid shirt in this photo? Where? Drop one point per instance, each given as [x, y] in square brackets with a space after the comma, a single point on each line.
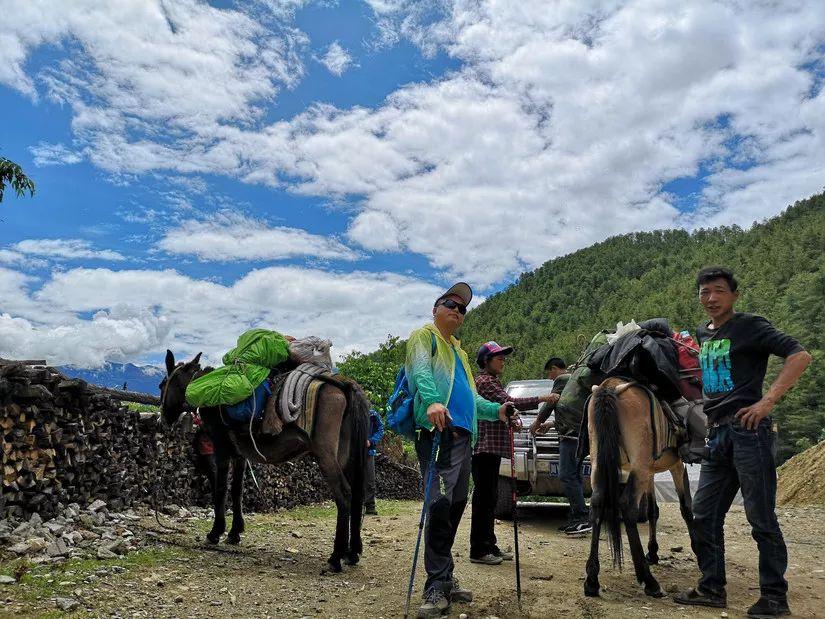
[493, 444]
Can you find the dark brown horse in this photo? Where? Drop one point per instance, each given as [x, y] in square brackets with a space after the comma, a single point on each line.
[339, 444]
[619, 420]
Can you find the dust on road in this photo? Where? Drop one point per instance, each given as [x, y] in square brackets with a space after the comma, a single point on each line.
[276, 572]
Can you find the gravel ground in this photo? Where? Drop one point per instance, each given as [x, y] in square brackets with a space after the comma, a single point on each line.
[276, 571]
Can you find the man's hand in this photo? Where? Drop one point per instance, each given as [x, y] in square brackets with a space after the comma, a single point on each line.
[537, 428]
[552, 398]
[750, 416]
[507, 413]
[437, 413]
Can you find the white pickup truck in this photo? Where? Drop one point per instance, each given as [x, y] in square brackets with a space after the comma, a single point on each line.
[536, 457]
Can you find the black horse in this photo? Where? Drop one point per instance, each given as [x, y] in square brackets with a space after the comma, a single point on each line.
[339, 444]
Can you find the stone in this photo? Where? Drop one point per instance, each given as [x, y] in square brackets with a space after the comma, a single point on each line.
[57, 549]
[66, 604]
[35, 520]
[105, 553]
[20, 548]
[96, 505]
[6, 580]
[55, 528]
[36, 544]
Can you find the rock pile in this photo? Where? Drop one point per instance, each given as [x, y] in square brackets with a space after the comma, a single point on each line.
[64, 444]
[800, 478]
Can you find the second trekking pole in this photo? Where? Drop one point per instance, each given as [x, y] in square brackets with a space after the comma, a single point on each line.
[428, 483]
[515, 501]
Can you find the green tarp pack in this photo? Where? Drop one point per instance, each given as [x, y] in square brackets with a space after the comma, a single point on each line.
[245, 367]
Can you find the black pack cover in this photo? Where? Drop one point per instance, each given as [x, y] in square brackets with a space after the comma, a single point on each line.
[648, 356]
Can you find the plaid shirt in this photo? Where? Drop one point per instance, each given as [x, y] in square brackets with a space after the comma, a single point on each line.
[493, 436]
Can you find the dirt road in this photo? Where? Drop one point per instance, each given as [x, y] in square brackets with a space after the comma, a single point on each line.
[276, 571]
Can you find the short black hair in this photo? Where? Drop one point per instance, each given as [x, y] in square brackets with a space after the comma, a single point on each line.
[708, 274]
[555, 362]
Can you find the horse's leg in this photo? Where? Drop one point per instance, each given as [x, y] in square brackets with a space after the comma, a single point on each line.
[238, 470]
[591, 583]
[631, 499]
[325, 447]
[652, 518]
[682, 484]
[219, 497]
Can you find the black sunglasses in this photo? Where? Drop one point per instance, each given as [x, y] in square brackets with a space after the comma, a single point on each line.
[450, 304]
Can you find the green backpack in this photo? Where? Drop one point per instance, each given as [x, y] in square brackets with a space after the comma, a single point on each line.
[245, 367]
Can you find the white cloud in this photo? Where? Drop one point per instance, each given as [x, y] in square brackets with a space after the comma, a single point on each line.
[336, 59]
[54, 154]
[69, 249]
[142, 312]
[229, 236]
[560, 127]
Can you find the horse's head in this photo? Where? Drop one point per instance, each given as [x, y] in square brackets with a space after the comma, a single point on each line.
[173, 386]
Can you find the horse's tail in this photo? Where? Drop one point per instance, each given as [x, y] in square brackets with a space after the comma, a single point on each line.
[358, 417]
[607, 491]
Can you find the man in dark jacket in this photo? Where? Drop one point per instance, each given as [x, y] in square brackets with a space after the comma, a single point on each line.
[734, 355]
[376, 434]
[568, 408]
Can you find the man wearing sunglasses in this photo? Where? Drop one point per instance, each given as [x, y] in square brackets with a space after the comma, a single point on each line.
[441, 383]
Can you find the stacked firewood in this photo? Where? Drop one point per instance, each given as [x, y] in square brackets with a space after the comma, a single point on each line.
[64, 441]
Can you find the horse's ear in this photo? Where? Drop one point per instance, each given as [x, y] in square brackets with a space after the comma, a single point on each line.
[170, 362]
[196, 359]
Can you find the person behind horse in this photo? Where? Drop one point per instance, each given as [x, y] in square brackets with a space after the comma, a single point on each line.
[493, 444]
[443, 390]
[568, 417]
[734, 354]
[376, 434]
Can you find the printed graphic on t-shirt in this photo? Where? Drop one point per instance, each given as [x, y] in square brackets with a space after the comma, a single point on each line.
[715, 360]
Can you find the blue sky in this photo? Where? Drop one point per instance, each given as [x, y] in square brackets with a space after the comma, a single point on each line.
[327, 167]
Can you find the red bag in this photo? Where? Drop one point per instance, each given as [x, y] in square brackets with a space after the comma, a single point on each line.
[690, 371]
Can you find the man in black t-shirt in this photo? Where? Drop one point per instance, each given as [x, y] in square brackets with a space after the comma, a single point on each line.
[734, 358]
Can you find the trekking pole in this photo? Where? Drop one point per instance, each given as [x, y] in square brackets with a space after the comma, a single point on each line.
[515, 501]
[430, 469]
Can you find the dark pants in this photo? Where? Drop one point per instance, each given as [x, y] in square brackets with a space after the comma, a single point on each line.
[369, 483]
[740, 458]
[570, 474]
[448, 498]
[485, 495]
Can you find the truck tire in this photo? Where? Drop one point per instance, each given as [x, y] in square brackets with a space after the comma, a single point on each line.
[504, 504]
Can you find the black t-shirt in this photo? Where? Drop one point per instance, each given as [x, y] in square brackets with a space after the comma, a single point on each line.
[734, 359]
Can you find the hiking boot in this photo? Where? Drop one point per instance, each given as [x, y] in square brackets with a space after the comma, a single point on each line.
[505, 555]
[767, 607]
[435, 604]
[695, 597]
[582, 528]
[565, 526]
[488, 559]
[457, 594]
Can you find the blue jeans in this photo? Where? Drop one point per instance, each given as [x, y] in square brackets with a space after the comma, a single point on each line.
[740, 458]
[570, 474]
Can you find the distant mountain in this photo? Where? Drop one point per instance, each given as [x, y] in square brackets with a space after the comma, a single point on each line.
[142, 378]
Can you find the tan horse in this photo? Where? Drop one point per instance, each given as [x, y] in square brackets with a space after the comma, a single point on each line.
[622, 440]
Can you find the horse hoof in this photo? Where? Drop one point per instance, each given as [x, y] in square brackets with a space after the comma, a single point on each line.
[213, 538]
[655, 593]
[352, 558]
[233, 539]
[591, 591]
[652, 559]
[334, 566]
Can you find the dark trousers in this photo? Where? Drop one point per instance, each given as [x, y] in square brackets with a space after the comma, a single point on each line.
[570, 474]
[369, 483]
[740, 458]
[448, 498]
[485, 495]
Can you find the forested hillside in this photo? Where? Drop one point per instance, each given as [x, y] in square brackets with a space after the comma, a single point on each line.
[780, 265]
[553, 310]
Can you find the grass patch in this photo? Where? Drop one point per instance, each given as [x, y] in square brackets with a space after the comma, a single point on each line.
[43, 581]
